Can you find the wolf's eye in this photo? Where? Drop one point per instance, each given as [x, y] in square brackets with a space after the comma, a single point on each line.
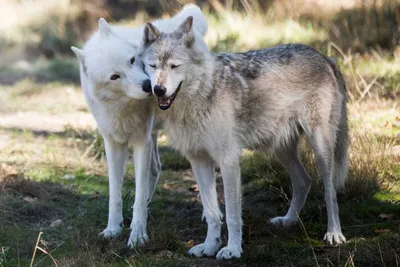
[115, 77]
[132, 60]
[174, 66]
[152, 66]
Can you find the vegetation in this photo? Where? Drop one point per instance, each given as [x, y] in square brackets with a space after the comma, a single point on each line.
[53, 176]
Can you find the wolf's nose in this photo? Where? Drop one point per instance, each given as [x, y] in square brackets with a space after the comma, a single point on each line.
[159, 90]
[146, 86]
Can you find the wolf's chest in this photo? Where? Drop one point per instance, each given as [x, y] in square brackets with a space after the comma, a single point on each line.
[122, 126]
[185, 139]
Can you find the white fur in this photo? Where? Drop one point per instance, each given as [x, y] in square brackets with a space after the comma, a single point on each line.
[124, 113]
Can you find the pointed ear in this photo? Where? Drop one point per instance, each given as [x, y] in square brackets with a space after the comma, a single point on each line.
[104, 28]
[186, 29]
[186, 26]
[79, 54]
[151, 33]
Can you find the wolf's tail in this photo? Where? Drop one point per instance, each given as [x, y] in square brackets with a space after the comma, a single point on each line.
[199, 20]
[341, 160]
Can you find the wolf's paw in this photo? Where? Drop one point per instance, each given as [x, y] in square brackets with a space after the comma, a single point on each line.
[334, 238]
[204, 249]
[282, 221]
[138, 237]
[227, 253]
[109, 233]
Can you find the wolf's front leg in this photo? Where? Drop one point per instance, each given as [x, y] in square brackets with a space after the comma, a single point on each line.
[116, 156]
[233, 207]
[142, 159]
[204, 172]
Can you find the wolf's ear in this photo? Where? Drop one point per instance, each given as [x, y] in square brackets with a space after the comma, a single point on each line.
[79, 54]
[186, 26]
[186, 29]
[151, 33]
[104, 28]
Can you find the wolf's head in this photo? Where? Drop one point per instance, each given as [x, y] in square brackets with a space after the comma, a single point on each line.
[172, 59]
[111, 67]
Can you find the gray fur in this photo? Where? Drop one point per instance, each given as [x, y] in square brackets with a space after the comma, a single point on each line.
[264, 99]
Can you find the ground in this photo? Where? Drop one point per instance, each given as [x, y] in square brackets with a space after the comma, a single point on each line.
[49, 173]
[53, 176]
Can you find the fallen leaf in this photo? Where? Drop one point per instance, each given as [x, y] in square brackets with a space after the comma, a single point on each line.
[398, 118]
[56, 223]
[165, 254]
[385, 216]
[30, 199]
[388, 124]
[381, 231]
[190, 243]
[194, 188]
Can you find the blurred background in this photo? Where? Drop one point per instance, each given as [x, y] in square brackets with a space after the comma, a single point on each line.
[53, 175]
[35, 36]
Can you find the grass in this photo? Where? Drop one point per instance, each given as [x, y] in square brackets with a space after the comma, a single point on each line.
[32, 198]
[27, 95]
[53, 165]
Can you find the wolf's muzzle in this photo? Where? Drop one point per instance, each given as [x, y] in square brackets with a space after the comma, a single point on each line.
[146, 86]
[159, 90]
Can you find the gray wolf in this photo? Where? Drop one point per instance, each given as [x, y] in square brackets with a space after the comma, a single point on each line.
[215, 105]
[116, 89]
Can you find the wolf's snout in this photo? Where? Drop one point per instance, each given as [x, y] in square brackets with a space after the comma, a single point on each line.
[146, 86]
[160, 90]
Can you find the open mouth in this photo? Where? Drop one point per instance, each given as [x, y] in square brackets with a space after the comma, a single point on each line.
[165, 103]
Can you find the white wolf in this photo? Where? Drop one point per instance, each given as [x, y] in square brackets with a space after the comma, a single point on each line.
[218, 104]
[116, 89]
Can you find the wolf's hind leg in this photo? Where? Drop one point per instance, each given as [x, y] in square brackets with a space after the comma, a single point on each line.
[204, 172]
[289, 158]
[322, 141]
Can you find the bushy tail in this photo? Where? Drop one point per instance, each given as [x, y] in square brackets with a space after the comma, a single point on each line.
[341, 148]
